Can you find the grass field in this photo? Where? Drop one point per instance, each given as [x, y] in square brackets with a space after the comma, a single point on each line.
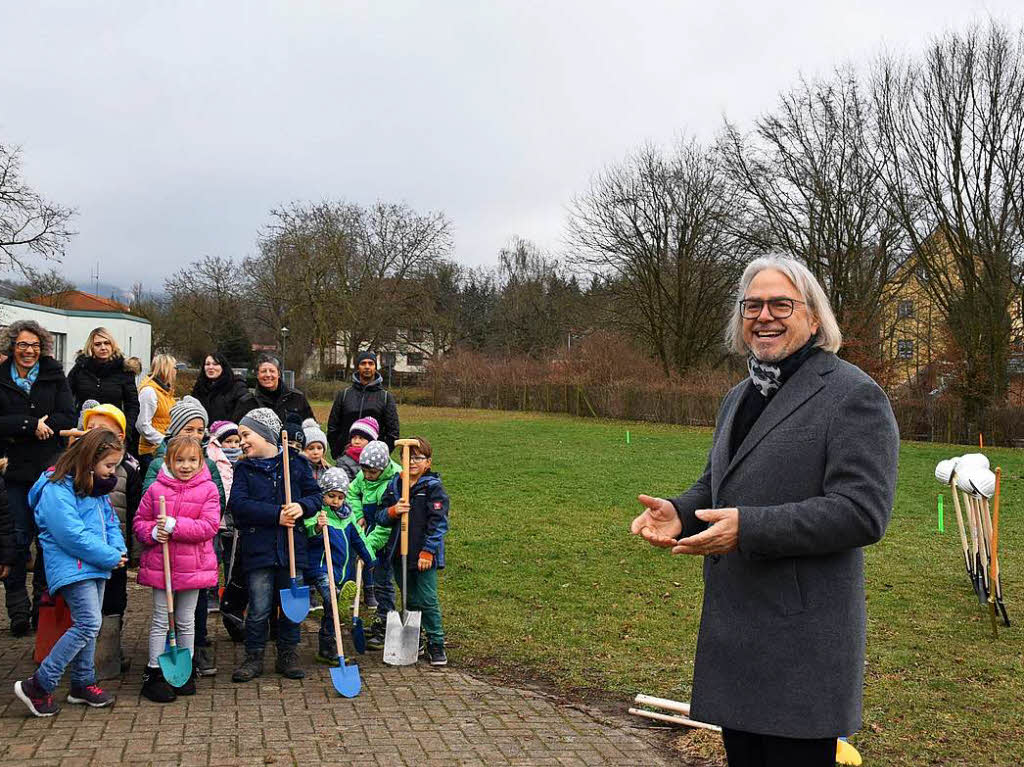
[545, 583]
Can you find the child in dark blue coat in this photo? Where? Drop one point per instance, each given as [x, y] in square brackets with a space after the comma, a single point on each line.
[258, 507]
[428, 524]
[347, 542]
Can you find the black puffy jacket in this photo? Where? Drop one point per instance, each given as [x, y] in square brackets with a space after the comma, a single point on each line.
[220, 397]
[109, 383]
[359, 401]
[20, 412]
[8, 543]
[289, 404]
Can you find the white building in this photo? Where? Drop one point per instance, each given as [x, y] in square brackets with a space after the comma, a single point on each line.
[400, 350]
[71, 327]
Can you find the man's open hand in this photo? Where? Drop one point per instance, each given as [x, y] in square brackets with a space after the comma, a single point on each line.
[659, 525]
[721, 537]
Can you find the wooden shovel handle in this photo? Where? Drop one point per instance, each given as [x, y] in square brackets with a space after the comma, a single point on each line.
[168, 591]
[994, 567]
[959, 520]
[359, 588]
[334, 596]
[288, 501]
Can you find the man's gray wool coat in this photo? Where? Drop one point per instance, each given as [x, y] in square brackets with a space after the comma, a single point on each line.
[782, 634]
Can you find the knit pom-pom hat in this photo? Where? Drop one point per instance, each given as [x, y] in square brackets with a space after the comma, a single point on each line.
[221, 430]
[313, 432]
[368, 427]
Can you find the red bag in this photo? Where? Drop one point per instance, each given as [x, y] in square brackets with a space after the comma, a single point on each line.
[54, 620]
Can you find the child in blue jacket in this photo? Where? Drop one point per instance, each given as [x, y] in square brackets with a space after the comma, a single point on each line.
[428, 524]
[347, 542]
[81, 539]
[258, 508]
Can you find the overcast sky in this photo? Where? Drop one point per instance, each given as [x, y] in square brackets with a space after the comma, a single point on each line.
[175, 128]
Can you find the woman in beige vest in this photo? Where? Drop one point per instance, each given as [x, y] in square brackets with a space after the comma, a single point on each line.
[156, 398]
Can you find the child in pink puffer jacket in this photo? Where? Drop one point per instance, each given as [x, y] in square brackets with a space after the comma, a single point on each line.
[191, 522]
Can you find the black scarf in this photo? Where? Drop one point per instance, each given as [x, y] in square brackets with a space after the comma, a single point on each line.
[102, 487]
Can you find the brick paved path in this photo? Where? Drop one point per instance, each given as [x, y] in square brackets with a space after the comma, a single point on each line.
[414, 715]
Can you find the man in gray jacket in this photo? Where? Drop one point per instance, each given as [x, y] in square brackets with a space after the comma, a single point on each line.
[800, 477]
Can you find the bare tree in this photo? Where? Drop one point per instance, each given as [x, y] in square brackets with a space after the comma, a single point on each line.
[535, 302]
[330, 270]
[659, 231]
[811, 175]
[203, 301]
[48, 285]
[952, 128]
[29, 225]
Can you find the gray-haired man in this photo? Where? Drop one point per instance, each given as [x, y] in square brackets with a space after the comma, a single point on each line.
[800, 476]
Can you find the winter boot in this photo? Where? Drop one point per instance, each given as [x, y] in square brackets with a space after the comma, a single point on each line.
[155, 687]
[189, 688]
[108, 648]
[436, 654]
[251, 667]
[375, 639]
[287, 664]
[327, 652]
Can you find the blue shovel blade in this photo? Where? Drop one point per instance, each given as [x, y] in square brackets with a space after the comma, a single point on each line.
[176, 664]
[295, 602]
[358, 635]
[346, 680]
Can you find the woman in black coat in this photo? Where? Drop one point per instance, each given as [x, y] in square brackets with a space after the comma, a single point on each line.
[100, 374]
[35, 404]
[218, 388]
[272, 392]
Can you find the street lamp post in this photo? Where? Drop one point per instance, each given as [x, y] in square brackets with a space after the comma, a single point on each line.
[284, 348]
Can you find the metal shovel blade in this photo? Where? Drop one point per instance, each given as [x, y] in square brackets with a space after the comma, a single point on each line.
[346, 680]
[402, 640]
[358, 635]
[176, 664]
[295, 602]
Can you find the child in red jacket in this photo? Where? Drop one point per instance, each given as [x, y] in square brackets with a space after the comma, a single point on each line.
[191, 521]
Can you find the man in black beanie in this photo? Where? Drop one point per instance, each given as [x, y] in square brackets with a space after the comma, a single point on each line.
[365, 397]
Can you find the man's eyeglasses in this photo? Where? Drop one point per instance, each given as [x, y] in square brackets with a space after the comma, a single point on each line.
[778, 308]
[24, 346]
[418, 458]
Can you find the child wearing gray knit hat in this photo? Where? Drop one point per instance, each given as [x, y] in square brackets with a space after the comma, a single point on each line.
[334, 479]
[375, 455]
[265, 423]
[186, 409]
[315, 447]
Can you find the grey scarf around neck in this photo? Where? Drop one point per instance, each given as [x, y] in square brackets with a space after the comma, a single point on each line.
[768, 377]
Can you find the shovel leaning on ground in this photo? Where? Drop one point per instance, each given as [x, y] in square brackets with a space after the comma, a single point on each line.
[176, 662]
[402, 633]
[345, 678]
[358, 632]
[295, 598]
